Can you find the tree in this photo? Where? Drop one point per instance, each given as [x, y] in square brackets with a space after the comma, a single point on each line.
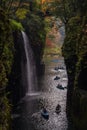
[65, 9]
[8, 4]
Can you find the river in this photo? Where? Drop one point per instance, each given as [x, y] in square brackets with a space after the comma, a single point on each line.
[27, 114]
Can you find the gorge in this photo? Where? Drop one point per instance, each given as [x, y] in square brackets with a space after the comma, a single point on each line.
[24, 88]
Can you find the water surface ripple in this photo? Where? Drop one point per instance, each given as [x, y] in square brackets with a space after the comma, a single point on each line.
[27, 115]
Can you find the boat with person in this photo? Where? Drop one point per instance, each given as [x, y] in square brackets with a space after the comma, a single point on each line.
[58, 109]
[56, 78]
[45, 114]
[59, 86]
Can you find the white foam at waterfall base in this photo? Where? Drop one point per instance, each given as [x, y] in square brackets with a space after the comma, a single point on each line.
[33, 94]
[29, 78]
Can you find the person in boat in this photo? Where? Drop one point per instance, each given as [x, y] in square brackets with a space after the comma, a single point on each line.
[60, 86]
[58, 109]
[56, 78]
[44, 113]
[44, 110]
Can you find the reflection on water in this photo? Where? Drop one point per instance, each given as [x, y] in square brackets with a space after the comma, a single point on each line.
[28, 112]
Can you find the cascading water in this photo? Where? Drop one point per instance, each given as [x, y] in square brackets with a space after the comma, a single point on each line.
[29, 78]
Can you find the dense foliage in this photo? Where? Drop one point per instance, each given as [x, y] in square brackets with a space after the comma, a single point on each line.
[6, 58]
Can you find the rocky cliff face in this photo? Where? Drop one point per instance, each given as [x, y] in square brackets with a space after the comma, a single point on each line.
[15, 87]
[75, 54]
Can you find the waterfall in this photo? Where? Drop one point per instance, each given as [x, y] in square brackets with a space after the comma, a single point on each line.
[29, 78]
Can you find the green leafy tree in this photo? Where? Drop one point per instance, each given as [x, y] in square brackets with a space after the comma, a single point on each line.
[62, 9]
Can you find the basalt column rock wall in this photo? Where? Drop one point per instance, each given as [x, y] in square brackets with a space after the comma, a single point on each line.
[17, 91]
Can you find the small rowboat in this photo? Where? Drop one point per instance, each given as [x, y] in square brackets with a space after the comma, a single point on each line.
[45, 114]
[58, 109]
[59, 86]
[56, 78]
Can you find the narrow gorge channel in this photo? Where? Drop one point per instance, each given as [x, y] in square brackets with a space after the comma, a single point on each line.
[27, 114]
